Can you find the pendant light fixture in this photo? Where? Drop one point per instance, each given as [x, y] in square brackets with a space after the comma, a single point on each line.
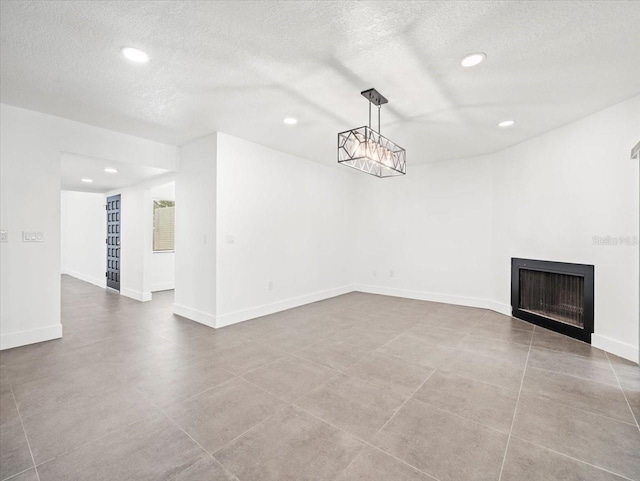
[365, 149]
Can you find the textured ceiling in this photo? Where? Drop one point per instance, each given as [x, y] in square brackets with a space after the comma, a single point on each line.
[240, 67]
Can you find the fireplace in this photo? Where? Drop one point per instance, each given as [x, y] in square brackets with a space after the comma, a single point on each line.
[554, 295]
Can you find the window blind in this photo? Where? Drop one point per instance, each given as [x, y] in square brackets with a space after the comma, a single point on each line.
[163, 225]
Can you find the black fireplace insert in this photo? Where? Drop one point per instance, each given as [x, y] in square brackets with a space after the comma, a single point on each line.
[555, 295]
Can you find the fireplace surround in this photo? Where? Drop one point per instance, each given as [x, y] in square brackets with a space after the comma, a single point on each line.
[555, 295]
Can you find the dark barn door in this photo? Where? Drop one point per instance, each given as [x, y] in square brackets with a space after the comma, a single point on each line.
[113, 242]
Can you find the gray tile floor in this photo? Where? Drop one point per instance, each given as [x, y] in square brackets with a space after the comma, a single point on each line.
[358, 387]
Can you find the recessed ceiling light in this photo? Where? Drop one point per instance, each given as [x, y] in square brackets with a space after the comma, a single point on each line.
[290, 121]
[110, 170]
[506, 123]
[135, 54]
[473, 59]
[87, 181]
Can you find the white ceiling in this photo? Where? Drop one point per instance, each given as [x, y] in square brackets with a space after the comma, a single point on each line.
[240, 67]
[74, 168]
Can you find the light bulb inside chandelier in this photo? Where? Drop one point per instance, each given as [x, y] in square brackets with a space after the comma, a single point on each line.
[367, 150]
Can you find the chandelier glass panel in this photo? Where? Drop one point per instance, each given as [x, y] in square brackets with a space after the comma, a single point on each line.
[365, 149]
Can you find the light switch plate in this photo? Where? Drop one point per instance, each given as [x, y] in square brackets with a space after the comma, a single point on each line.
[4, 236]
[32, 236]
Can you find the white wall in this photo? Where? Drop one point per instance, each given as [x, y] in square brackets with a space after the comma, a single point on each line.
[427, 235]
[82, 235]
[554, 193]
[29, 201]
[195, 259]
[163, 266]
[30, 148]
[450, 229]
[283, 220]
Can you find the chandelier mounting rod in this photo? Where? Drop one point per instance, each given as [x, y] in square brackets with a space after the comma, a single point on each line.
[376, 98]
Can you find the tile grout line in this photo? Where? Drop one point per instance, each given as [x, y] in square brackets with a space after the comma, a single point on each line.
[409, 397]
[14, 476]
[148, 399]
[553, 401]
[391, 340]
[97, 439]
[481, 381]
[568, 353]
[232, 476]
[192, 439]
[579, 378]
[338, 373]
[483, 336]
[57, 404]
[622, 389]
[515, 410]
[24, 431]
[273, 414]
[295, 406]
[572, 458]
[405, 402]
[459, 416]
[347, 466]
[367, 443]
[418, 388]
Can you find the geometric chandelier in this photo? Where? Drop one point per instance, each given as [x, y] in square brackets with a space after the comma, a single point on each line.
[365, 149]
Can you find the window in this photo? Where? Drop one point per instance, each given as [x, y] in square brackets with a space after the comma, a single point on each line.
[163, 225]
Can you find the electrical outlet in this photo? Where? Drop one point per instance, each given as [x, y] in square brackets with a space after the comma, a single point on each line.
[4, 236]
[270, 285]
[375, 274]
[231, 239]
[392, 274]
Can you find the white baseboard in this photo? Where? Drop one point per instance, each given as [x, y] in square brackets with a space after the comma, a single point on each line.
[266, 309]
[137, 295]
[162, 286]
[100, 282]
[195, 315]
[432, 297]
[621, 349]
[499, 307]
[22, 338]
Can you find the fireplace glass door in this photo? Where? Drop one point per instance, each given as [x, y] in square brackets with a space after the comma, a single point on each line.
[556, 296]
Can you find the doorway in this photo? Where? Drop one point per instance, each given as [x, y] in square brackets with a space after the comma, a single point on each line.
[113, 242]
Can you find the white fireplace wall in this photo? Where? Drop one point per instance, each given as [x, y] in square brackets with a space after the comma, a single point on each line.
[447, 231]
[557, 195]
